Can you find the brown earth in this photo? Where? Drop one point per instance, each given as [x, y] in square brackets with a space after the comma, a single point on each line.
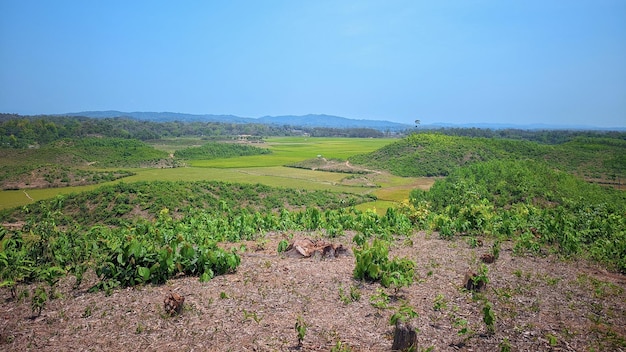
[540, 304]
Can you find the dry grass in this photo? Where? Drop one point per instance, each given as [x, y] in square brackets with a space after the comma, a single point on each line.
[541, 303]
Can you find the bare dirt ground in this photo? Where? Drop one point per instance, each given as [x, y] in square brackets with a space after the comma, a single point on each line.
[540, 303]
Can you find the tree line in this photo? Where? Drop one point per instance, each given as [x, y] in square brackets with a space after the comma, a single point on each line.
[23, 131]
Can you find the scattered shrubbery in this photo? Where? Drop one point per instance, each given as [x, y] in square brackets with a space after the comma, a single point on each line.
[530, 203]
[219, 150]
[439, 155]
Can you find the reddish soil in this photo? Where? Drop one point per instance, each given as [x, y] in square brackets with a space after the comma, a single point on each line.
[540, 304]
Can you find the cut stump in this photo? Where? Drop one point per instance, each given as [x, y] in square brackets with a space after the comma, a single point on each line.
[470, 282]
[173, 303]
[487, 258]
[404, 337]
[305, 248]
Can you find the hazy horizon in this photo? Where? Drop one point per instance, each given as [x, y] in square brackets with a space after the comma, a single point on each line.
[485, 61]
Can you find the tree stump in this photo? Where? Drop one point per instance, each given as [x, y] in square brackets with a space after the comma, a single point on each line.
[305, 248]
[470, 282]
[487, 258]
[404, 337]
[173, 303]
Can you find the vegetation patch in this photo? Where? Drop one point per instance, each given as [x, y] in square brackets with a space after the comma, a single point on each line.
[597, 159]
[530, 203]
[217, 150]
[51, 176]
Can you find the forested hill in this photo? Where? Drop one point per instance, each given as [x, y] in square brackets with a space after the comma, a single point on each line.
[601, 159]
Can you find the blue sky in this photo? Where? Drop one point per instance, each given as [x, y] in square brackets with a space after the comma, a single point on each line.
[467, 61]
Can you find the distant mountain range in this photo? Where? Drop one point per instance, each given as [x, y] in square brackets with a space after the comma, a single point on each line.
[328, 121]
[320, 120]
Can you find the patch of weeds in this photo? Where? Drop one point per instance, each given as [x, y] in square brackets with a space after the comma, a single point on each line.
[440, 303]
[88, 311]
[247, 315]
[223, 295]
[380, 300]
[140, 328]
[300, 327]
[464, 328]
[552, 281]
[518, 273]
[504, 294]
[403, 314]
[23, 295]
[535, 306]
[341, 347]
[552, 340]
[601, 289]
[353, 296]
[282, 246]
[495, 249]
[39, 300]
[355, 293]
[607, 339]
[267, 264]
[261, 243]
[505, 345]
[489, 317]
[474, 242]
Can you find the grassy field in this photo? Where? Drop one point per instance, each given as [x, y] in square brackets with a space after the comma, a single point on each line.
[293, 149]
[264, 169]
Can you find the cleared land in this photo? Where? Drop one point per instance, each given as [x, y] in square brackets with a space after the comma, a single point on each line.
[540, 304]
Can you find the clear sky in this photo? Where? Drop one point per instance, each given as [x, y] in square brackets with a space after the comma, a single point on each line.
[465, 61]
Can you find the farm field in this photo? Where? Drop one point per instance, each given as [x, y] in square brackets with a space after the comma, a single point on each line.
[265, 169]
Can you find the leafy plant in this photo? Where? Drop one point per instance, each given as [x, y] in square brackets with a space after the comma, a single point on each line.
[353, 296]
[372, 263]
[247, 315]
[403, 314]
[282, 246]
[300, 327]
[38, 301]
[380, 300]
[505, 345]
[482, 277]
[489, 317]
[440, 303]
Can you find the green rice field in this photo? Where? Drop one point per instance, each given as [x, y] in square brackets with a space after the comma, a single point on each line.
[265, 169]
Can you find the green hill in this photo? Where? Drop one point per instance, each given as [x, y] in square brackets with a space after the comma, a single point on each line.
[599, 159]
[70, 162]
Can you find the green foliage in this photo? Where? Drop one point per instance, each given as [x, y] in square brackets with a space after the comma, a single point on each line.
[532, 204]
[300, 327]
[353, 296]
[232, 204]
[505, 345]
[373, 263]
[219, 150]
[403, 314]
[440, 303]
[429, 154]
[282, 246]
[145, 256]
[39, 300]
[489, 317]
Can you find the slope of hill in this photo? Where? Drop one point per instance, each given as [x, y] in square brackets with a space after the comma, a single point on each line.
[599, 159]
